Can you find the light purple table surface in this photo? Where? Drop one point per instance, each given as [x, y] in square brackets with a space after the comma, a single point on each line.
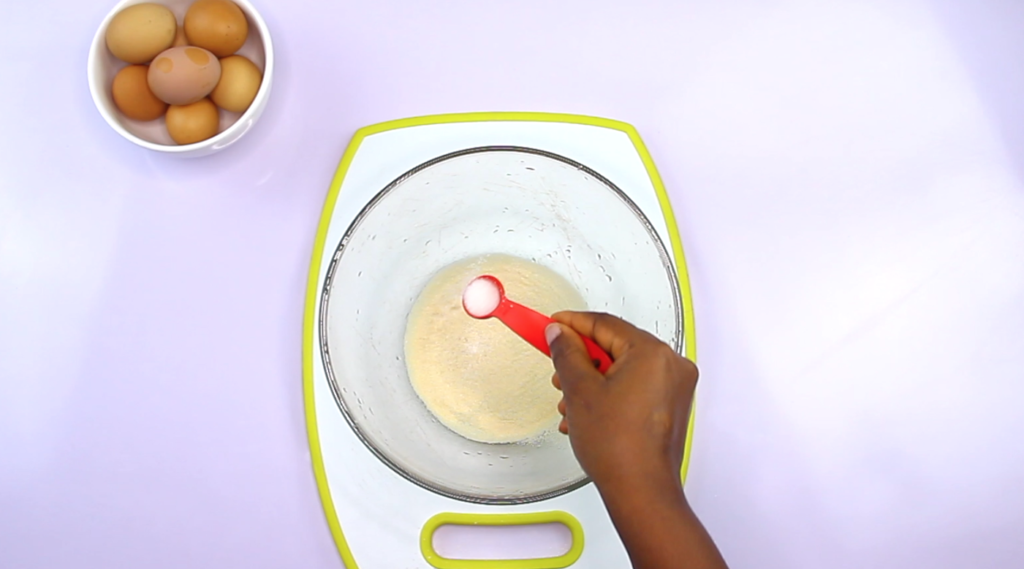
[849, 183]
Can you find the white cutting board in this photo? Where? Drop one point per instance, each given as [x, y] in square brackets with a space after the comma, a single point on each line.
[376, 516]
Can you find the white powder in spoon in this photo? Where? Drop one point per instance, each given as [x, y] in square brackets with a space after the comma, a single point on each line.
[481, 297]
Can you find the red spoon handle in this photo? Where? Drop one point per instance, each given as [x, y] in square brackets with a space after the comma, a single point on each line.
[530, 324]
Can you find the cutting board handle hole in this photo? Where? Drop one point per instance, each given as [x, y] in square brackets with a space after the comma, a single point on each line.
[550, 539]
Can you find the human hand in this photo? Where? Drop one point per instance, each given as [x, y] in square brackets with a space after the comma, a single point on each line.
[628, 429]
[628, 426]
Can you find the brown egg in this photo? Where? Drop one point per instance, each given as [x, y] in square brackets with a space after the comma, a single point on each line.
[239, 82]
[138, 33]
[217, 25]
[133, 97]
[183, 75]
[179, 38]
[193, 123]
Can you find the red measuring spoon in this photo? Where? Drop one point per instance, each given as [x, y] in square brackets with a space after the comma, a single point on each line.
[484, 297]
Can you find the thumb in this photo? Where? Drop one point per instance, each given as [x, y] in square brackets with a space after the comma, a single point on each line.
[569, 355]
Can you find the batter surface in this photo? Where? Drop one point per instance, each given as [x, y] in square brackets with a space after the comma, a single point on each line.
[476, 376]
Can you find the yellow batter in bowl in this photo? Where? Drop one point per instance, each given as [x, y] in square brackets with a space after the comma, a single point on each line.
[476, 376]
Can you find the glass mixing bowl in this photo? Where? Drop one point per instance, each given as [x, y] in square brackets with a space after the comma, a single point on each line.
[518, 201]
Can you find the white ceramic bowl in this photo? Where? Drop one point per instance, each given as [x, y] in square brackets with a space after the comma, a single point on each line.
[103, 66]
